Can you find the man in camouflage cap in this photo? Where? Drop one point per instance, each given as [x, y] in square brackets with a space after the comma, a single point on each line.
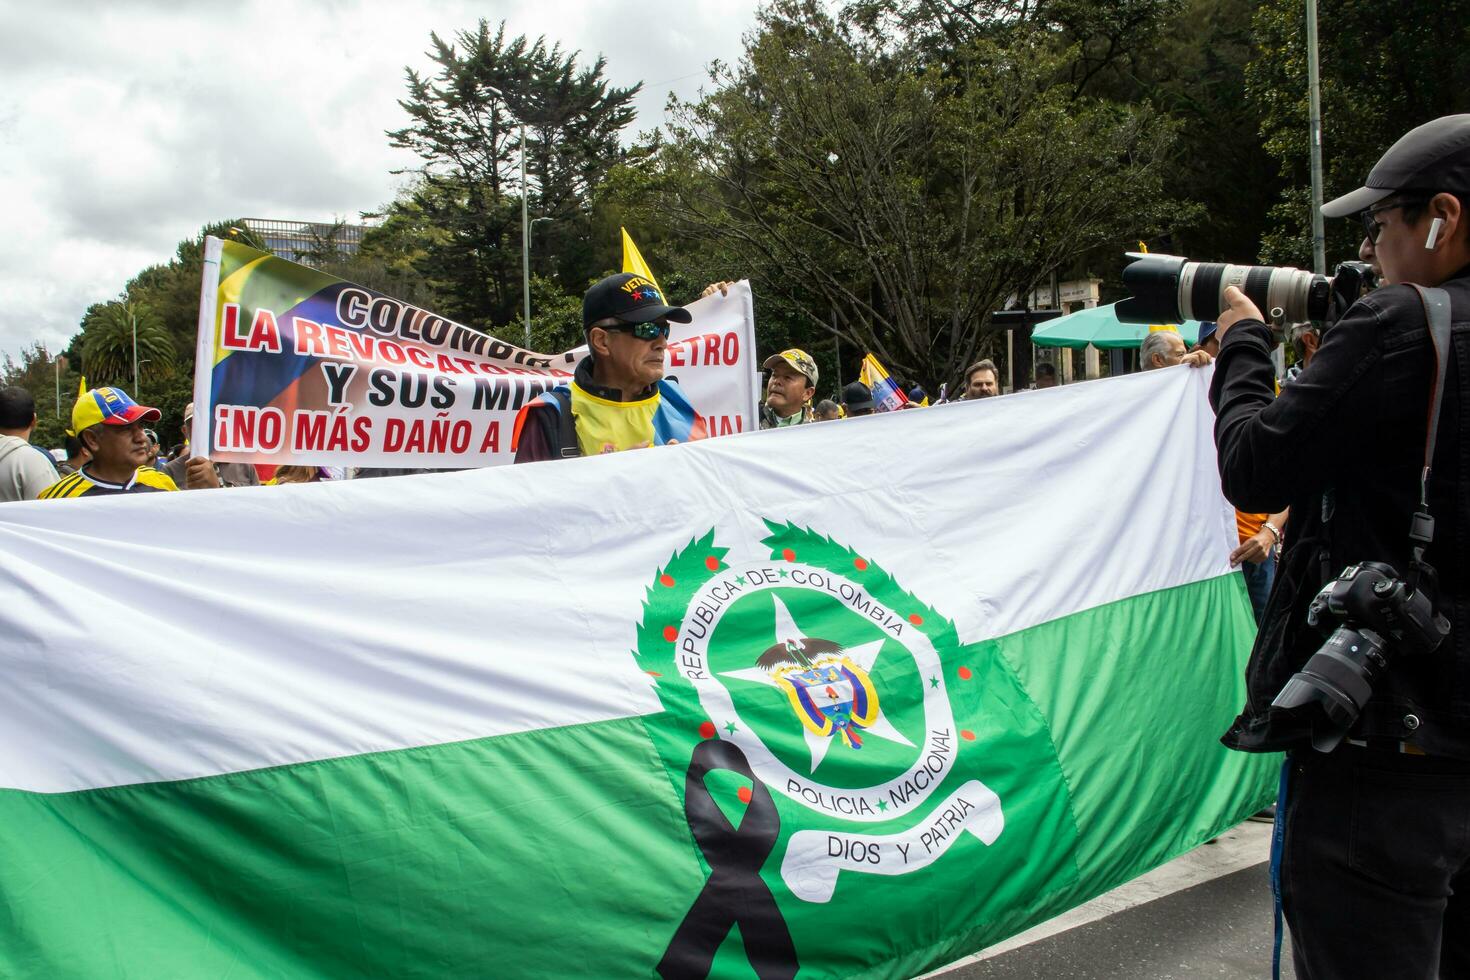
[789, 390]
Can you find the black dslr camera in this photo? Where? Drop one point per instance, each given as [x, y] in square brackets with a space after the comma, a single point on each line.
[1381, 617]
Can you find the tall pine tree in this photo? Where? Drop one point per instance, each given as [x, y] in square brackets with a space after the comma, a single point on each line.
[467, 203]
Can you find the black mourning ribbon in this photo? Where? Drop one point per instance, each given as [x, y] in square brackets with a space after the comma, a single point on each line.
[734, 894]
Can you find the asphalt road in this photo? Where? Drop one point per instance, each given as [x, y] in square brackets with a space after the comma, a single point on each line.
[1207, 914]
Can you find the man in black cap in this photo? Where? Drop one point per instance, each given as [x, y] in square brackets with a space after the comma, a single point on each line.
[857, 399]
[1375, 865]
[618, 397]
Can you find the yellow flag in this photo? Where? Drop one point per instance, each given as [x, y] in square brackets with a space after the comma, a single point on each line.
[81, 390]
[633, 261]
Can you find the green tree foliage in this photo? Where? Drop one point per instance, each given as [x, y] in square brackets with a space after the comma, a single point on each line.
[52, 381]
[1186, 58]
[1383, 71]
[861, 183]
[461, 224]
[120, 335]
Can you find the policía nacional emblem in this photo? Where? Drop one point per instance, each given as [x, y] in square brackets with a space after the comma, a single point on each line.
[867, 742]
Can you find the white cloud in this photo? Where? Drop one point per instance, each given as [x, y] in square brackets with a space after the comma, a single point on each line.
[125, 127]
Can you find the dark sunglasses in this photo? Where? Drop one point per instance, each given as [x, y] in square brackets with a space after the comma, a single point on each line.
[645, 331]
[1372, 227]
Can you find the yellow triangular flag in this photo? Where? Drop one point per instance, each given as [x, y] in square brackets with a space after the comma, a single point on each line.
[633, 261]
[81, 390]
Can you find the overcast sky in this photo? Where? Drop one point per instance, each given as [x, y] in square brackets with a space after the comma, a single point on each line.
[125, 126]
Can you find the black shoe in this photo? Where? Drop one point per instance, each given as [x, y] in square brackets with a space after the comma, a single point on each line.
[1267, 815]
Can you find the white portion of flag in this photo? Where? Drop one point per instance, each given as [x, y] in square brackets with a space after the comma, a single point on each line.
[167, 636]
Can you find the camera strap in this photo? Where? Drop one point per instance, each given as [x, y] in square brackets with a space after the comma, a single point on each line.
[1436, 304]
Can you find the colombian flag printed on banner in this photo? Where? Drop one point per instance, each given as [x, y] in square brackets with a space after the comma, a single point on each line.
[296, 366]
[887, 395]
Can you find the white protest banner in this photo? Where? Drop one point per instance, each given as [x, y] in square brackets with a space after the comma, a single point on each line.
[298, 367]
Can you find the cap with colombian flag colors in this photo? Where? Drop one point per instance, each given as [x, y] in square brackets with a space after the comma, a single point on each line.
[109, 406]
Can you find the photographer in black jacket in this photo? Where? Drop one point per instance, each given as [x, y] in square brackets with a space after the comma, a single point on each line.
[1375, 865]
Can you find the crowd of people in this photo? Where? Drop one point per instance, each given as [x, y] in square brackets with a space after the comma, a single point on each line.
[1329, 462]
[617, 399]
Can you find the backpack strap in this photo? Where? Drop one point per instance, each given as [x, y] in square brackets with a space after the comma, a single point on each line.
[565, 439]
[48, 456]
[566, 424]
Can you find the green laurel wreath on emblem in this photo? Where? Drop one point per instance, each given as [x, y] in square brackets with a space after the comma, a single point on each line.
[668, 597]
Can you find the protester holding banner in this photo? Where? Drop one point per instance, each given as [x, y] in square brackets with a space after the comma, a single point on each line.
[224, 474]
[110, 425]
[618, 397]
[789, 389]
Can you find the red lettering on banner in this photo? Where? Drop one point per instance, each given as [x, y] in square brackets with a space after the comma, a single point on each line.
[362, 434]
[308, 336]
[230, 338]
[438, 435]
[309, 432]
[420, 357]
[337, 439]
[459, 439]
[264, 334]
[247, 429]
[706, 350]
[415, 441]
[363, 345]
[337, 341]
[491, 442]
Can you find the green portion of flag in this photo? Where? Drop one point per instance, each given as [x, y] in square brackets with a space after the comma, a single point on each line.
[1136, 695]
[548, 854]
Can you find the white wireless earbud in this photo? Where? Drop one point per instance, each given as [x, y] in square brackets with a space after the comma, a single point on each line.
[1433, 239]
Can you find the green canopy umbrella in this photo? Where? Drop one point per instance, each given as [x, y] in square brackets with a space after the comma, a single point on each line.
[1100, 327]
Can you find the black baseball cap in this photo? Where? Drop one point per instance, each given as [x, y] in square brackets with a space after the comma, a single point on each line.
[1432, 158]
[856, 396]
[630, 298]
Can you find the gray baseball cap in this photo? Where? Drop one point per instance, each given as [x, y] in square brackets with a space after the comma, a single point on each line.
[1432, 158]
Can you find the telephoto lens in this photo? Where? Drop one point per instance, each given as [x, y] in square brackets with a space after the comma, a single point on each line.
[1170, 289]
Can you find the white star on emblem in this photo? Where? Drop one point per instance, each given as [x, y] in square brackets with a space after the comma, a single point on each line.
[862, 656]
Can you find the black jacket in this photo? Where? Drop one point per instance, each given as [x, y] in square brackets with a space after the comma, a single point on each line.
[1346, 440]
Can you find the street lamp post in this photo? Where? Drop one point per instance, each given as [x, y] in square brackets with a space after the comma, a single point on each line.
[525, 240]
[525, 222]
[1314, 129]
[133, 316]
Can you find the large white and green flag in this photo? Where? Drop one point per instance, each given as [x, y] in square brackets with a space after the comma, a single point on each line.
[846, 699]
